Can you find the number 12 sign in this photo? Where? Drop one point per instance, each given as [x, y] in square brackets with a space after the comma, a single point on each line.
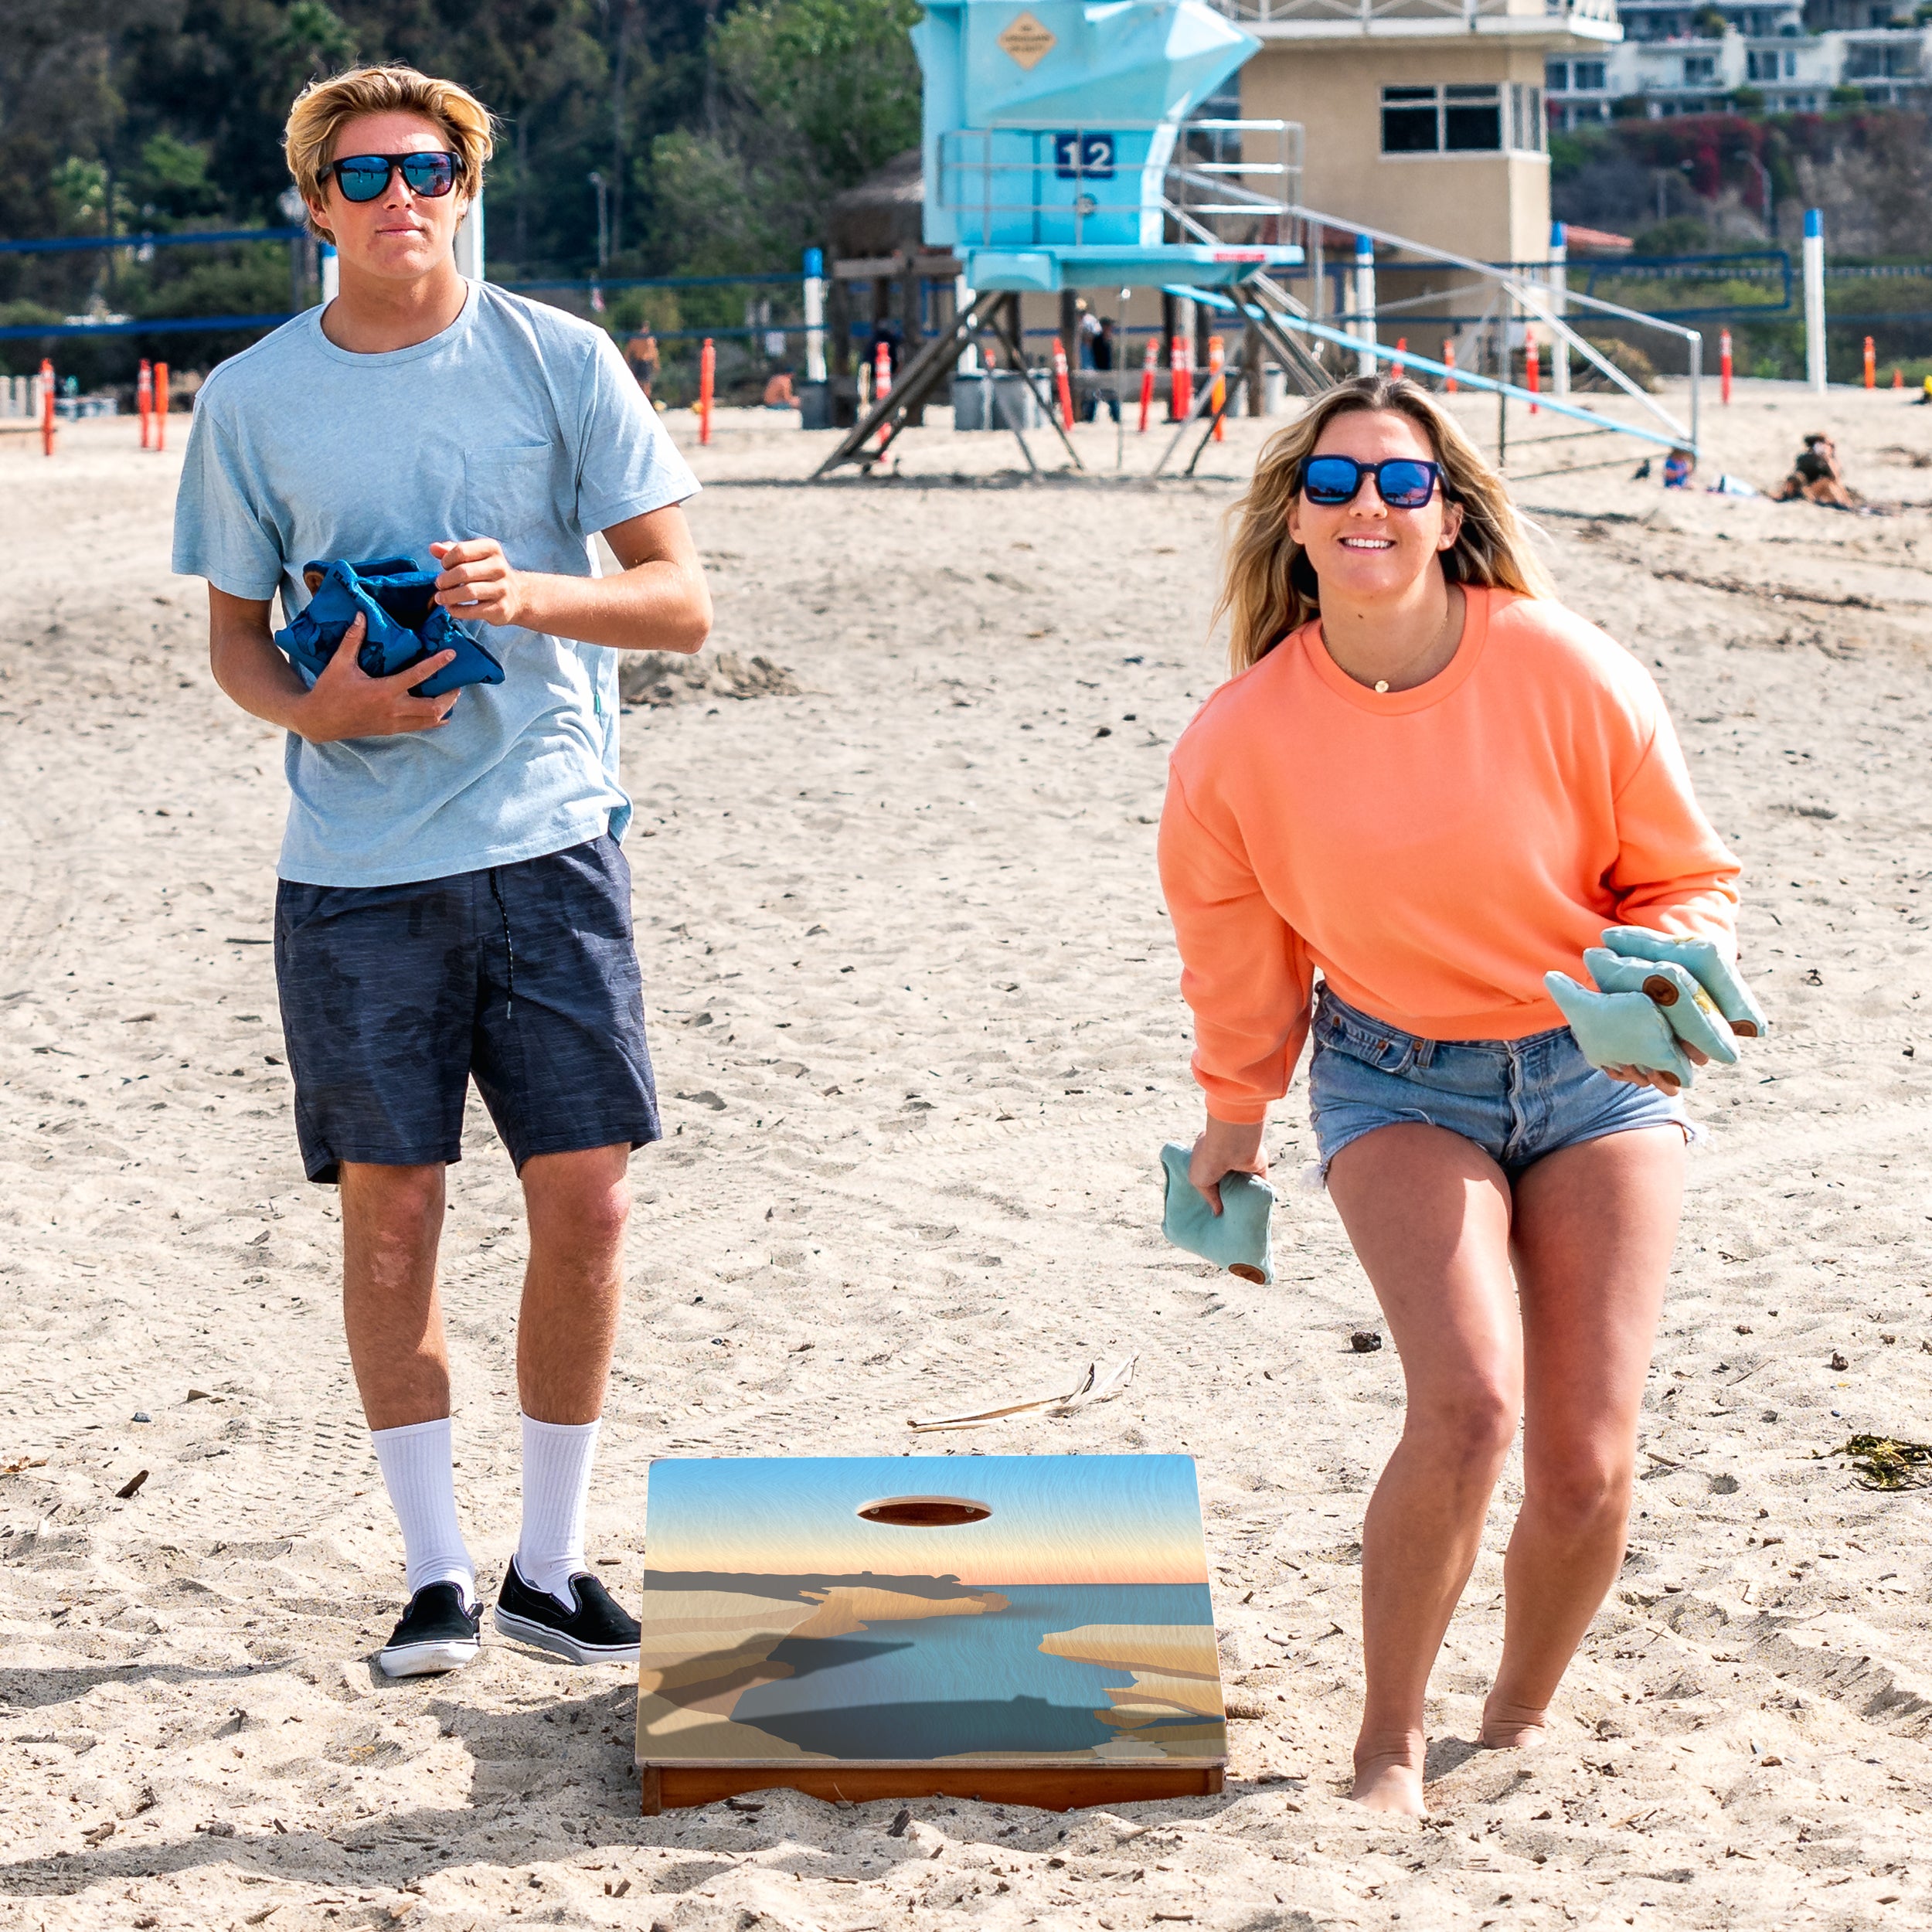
[1083, 156]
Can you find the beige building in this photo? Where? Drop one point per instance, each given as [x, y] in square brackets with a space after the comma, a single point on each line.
[1423, 118]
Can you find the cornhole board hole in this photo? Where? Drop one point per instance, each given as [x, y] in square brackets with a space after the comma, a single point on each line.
[1027, 1629]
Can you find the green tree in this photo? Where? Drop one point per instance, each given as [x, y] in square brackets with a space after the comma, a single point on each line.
[814, 96]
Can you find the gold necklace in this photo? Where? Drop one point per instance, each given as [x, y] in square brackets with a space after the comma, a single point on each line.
[1381, 684]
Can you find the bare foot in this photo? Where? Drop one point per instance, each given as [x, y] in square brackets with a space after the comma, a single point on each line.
[1383, 1785]
[1511, 1727]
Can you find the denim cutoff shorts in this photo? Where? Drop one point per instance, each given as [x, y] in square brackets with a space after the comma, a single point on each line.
[1517, 1099]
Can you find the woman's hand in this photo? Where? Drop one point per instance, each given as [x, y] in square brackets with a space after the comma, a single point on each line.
[1649, 1076]
[1225, 1147]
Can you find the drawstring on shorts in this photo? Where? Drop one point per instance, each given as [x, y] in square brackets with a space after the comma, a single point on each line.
[509, 951]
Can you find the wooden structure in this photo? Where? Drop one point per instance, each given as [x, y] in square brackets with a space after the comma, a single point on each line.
[1043, 1635]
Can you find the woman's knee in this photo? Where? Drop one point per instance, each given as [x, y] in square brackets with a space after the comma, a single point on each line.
[1469, 1426]
[1577, 1490]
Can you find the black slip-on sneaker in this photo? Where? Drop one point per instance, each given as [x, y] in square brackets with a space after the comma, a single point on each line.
[598, 1630]
[437, 1634]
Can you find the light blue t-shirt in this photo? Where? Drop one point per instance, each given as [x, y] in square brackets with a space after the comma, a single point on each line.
[517, 422]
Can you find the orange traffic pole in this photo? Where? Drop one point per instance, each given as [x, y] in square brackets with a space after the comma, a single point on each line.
[1724, 364]
[1218, 391]
[1147, 367]
[1898, 377]
[707, 381]
[1870, 365]
[1180, 369]
[46, 407]
[160, 406]
[882, 382]
[1402, 347]
[1532, 368]
[1449, 363]
[1062, 382]
[145, 389]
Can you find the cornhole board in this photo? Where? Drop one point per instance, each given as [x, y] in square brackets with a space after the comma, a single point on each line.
[1029, 1630]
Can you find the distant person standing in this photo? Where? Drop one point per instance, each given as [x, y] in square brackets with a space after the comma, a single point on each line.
[641, 356]
[1099, 344]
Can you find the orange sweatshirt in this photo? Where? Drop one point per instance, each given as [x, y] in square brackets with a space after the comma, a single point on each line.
[1434, 851]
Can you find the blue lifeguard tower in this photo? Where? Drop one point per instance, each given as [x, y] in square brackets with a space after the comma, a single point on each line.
[1058, 153]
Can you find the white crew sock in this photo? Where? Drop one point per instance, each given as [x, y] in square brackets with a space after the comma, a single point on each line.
[556, 1485]
[417, 1473]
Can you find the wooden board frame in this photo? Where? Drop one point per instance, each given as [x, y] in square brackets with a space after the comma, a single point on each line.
[669, 1787]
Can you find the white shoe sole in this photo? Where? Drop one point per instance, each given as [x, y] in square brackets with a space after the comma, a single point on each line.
[427, 1660]
[528, 1630]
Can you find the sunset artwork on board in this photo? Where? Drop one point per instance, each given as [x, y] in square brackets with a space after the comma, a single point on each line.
[1037, 1628]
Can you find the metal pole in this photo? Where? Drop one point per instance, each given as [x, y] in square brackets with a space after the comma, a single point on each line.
[1559, 306]
[1696, 347]
[1365, 304]
[815, 315]
[1814, 300]
[469, 242]
[331, 275]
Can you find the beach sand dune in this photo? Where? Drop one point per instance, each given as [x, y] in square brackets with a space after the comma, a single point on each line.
[913, 1003]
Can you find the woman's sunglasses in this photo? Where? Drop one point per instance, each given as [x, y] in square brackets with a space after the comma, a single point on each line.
[1403, 482]
[364, 177]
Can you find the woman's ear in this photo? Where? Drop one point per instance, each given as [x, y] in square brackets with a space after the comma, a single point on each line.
[1293, 518]
[1451, 527]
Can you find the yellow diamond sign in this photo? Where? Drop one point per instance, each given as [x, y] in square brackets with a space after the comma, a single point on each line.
[1027, 40]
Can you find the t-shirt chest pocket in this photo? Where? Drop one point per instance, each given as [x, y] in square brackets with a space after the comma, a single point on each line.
[509, 492]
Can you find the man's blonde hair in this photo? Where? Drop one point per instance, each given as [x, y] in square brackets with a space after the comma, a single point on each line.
[323, 106]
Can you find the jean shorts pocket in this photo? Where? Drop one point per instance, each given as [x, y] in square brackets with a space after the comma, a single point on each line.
[1385, 1049]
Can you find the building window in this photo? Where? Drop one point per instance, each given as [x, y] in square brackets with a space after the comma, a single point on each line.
[1557, 76]
[1698, 67]
[1464, 119]
[1588, 76]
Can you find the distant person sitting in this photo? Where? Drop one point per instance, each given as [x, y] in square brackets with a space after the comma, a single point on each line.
[1679, 467]
[778, 391]
[641, 355]
[1816, 477]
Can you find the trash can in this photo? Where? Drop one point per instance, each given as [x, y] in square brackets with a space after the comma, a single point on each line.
[969, 400]
[1014, 404]
[815, 406]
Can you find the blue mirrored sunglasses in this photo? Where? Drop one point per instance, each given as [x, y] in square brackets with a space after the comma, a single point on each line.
[364, 177]
[1404, 482]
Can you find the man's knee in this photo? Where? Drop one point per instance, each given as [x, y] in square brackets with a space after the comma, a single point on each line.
[583, 1198]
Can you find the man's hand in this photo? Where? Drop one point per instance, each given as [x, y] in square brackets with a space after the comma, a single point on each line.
[478, 583]
[1226, 1148]
[345, 702]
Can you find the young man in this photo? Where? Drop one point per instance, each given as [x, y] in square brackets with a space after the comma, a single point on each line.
[453, 900]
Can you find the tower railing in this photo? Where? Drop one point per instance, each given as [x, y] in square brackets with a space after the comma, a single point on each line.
[1227, 183]
[1435, 14]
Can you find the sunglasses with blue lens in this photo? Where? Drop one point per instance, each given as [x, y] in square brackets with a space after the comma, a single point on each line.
[1403, 482]
[364, 177]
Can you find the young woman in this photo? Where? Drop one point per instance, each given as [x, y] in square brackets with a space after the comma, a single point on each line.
[1432, 782]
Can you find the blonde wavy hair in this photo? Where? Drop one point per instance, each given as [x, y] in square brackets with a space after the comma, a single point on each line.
[1268, 587]
[323, 106]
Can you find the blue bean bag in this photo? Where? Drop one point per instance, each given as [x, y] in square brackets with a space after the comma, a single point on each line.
[404, 623]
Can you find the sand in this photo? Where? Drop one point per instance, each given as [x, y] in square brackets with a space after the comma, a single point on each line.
[914, 1006]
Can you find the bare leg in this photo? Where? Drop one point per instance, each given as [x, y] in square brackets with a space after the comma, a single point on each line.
[1429, 1214]
[1595, 1226]
[578, 1204]
[392, 1222]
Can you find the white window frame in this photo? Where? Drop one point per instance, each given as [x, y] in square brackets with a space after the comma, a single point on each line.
[1521, 127]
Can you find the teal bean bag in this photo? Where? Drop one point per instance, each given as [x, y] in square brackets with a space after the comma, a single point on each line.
[1685, 1004]
[1236, 1239]
[1620, 1029]
[1705, 964]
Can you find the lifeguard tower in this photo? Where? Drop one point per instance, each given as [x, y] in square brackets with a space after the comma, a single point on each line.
[1059, 153]
[1061, 150]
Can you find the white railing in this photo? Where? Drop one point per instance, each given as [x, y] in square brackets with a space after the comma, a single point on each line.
[1370, 14]
[1230, 183]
